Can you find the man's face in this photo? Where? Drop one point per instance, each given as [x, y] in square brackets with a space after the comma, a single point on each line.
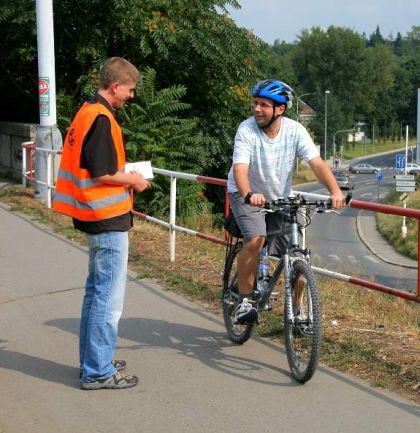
[122, 93]
[263, 110]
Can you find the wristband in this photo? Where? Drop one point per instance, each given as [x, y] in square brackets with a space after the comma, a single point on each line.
[247, 198]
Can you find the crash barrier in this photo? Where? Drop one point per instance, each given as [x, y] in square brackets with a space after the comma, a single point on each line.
[173, 227]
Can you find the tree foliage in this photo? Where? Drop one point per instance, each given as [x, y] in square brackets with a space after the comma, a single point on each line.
[204, 67]
[155, 131]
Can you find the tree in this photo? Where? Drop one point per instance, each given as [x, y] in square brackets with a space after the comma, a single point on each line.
[154, 131]
[338, 60]
[376, 38]
[19, 83]
[192, 44]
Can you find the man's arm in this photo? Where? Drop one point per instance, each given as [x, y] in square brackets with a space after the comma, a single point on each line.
[325, 176]
[135, 180]
[240, 174]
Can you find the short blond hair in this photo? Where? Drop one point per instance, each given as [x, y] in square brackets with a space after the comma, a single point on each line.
[117, 69]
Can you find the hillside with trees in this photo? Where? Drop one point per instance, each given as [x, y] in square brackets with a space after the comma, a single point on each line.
[197, 68]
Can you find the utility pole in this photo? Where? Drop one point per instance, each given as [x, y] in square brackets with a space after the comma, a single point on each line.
[48, 136]
[325, 125]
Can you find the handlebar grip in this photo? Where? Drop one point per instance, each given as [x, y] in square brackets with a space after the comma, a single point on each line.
[348, 198]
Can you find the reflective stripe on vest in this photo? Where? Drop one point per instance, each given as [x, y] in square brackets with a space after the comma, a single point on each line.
[80, 183]
[93, 204]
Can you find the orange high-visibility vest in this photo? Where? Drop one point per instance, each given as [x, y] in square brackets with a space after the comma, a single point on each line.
[77, 194]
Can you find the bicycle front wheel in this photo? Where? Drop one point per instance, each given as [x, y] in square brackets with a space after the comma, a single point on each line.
[237, 333]
[303, 334]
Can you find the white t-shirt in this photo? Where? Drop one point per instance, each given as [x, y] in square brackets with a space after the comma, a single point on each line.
[271, 161]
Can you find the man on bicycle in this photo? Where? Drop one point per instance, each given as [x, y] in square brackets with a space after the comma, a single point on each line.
[265, 151]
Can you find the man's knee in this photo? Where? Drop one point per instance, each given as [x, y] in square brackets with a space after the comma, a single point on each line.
[254, 245]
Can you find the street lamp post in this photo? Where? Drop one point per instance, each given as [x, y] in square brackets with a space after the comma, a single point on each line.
[326, 123]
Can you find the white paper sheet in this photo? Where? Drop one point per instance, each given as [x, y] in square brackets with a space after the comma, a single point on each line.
[142, 167]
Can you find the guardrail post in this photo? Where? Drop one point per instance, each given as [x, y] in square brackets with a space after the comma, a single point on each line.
[24, 165]
[172, 219]
[49, 177]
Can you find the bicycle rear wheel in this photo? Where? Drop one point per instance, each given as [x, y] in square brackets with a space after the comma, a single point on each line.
[303, 336]
[237, 333]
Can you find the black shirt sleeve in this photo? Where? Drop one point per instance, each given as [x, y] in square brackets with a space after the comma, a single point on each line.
[98, 152]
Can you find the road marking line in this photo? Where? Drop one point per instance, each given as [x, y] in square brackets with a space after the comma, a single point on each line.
[372, 259]
[334, 257]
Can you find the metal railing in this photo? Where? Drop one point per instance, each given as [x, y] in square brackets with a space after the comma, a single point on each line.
[173, 227]
[28, 154]
[408, 212]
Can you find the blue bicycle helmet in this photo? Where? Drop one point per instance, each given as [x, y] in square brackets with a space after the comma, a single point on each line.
[277, 91]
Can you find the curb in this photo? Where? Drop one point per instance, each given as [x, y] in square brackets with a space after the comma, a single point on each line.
[372, 250]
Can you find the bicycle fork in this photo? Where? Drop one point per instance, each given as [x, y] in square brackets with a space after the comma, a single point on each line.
[288, 277]
[288, 288]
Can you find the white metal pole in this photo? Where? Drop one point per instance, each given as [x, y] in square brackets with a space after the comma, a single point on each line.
[172, 219]
[49, 179]
[46, 63]
[48, 136]
[326, 122]
[24, 155]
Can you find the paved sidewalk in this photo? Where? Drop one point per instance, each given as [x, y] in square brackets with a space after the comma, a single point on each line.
[191, 377]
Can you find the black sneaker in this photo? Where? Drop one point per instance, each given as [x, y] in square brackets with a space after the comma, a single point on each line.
[245, 313]
[117, 381]
[119, 364]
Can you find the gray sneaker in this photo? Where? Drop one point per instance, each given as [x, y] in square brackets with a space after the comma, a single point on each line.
[245, 313]
[117, 381]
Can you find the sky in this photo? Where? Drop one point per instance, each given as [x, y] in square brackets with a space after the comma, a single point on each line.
[284, 19]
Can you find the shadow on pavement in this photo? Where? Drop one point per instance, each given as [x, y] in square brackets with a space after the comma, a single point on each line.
[198, 343]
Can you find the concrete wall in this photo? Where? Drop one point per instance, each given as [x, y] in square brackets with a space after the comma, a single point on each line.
[12, 135]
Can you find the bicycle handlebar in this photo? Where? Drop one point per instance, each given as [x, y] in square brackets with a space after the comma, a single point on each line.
[299, 200]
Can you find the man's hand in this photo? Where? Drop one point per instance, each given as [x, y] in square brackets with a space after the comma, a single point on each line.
[338, 200]
[138, 182]
[257, 199]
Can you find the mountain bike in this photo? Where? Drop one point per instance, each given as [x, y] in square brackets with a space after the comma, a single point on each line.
[302, 303]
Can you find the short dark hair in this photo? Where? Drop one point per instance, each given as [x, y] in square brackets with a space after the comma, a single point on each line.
[117, 69]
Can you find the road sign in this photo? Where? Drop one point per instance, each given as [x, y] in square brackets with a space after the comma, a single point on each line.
[405, 188]
[404, 177]
[379, 175]
[399, 161]
[406, 183]
[404, 197]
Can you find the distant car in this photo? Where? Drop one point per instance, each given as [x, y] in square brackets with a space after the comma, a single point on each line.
[364, 168]
[413, 168]
[344, 182]
[336, 172]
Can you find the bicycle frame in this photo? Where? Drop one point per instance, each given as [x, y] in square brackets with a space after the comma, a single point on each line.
[294, 251]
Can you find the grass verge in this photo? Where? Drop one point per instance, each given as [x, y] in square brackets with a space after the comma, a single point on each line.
[390, 225]
[368, 334]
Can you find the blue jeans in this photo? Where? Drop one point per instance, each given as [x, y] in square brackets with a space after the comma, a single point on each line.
[102, 303]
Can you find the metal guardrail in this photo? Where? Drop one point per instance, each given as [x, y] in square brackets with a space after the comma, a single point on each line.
[173, 227]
